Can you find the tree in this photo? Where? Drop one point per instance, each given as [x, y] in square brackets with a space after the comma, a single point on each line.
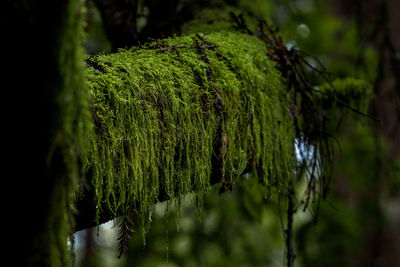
[210, 108]
[45, 135]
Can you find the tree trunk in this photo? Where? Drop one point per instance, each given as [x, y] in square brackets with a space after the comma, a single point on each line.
[43, 40]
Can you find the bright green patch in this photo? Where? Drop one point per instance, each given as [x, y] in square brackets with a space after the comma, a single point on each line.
[158, 111]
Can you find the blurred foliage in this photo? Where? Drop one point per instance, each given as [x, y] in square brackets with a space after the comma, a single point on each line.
[233, 229]
[243, 228]
[313, 27]
[239, 228]
[338, 236]
[96, 39]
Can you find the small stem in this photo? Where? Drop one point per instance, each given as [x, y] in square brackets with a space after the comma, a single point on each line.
[290, 256]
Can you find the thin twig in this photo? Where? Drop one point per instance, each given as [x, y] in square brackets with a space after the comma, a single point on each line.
[290, 255]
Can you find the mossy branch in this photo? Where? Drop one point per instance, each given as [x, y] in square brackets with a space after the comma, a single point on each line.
[172, 115]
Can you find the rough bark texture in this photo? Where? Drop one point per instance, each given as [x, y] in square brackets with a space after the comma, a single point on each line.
[44, 39]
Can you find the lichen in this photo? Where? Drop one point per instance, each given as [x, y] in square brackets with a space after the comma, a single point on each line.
[158, 110]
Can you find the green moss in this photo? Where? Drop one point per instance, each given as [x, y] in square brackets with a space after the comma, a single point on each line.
[354, 92]
[69, 144]
[210, 20]
[218, 20]
[344, 98]
[157, 113]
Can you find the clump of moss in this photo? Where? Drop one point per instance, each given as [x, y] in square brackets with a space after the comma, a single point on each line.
[159, 110]
[354, 92]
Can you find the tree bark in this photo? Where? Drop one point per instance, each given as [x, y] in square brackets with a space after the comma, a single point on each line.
[42, 41]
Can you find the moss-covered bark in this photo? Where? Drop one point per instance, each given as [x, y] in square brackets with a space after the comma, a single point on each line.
[159, 112]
